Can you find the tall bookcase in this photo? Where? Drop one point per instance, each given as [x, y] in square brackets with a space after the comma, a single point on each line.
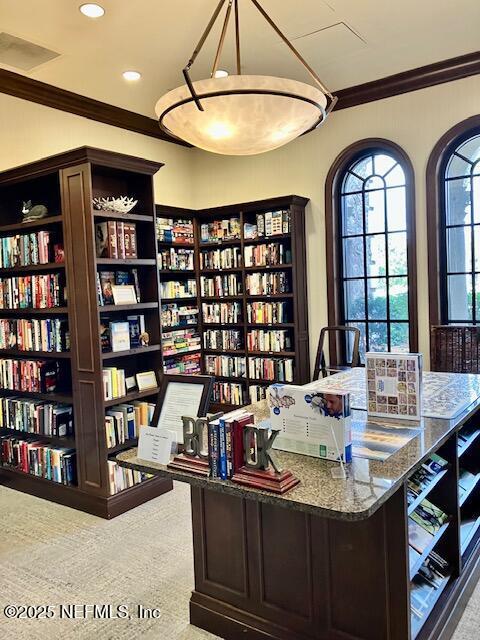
[66, 184]
[295, 324]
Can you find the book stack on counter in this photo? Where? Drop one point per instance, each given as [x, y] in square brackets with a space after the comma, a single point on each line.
[34, 416]
[37, 459]
[106, 279]
[227, 258]
[218, 230]
[50, 334]
[42, 291]
[221, 286]
[271, 223]
[256, 392]
[121, 336]
[226, 366]
[34, 376]
[176, 259]
[120, 478]
[175, 230]
[123, 421]
[268, 340]
[222, 312]
[174, 315]
[267, 312]
[189, 364]
[114, 385]
[177, 289]
[267, 255]
[424, 476]
[219, 339]
[114, 239]
[265, 284]
[25, 250]
[180, 341]
[225, 443]
[275, 369]
[228, 393]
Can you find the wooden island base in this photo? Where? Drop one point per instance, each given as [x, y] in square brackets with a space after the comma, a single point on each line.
[263, 571]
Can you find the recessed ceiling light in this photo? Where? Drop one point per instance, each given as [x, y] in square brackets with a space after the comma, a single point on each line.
[131, 75]
[221, 73]
[92, 10]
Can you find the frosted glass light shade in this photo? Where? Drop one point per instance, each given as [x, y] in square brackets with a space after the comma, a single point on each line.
[243, 115]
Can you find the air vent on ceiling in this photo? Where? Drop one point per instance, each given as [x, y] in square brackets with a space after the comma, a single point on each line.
[22, 54]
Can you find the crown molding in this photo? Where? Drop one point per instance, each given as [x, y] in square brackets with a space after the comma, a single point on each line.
[20, 86]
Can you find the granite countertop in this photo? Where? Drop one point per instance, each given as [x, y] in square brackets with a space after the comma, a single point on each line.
[367, 486]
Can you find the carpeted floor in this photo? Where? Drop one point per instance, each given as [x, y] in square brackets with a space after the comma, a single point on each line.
[51, 554]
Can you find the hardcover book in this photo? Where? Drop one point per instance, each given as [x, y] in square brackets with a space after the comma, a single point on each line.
[107, 279]
[120, 336]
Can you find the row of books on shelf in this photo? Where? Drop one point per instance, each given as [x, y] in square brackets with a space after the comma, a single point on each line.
[174, 315]
[34, 416]
[116, 382]
[261, 284]
[120, 478]
[106, 280]
[175, 230]
[271, 223]
[269, 340]
[278, 369]
[26, 249]
[189, 364]
[226, 258]
[226, 366]
[36, 458]
[179, 259]
[257, 392]
[267, 255]
[34, 376]
[177, 289]
[218, 230]
[51, 334]
[122, 335]
[218, 339]
[222, 312]
[221, 286]
[228, 393]
[267, 312]
[114, 239]
[38, 291]
[180, 341]
[123, 421]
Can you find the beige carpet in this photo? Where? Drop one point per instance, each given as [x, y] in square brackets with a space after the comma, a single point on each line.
[51, 554]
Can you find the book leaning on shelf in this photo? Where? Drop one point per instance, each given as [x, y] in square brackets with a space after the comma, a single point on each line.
[25, 250]
[24, 334]
[120, 478]
[34, 416]
[37, 459]
[123, 421]
[34, 376]
[43, 291]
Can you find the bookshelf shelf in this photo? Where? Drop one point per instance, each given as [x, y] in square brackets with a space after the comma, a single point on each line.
[33, 268]
[222, 298]
[220, 243]
[181, 352]
[269, 239]
[428, 549]
[128, 444]
[271, 267]
[283, 325]
[37, 479]
[465, 496]
[110, 355]
[130, 397]
[176, 245]
[417, 626]
[54, 355]
[190, 299]
[427, 490]
[176, 272]
[26, 226]
[466, 445]
[66, 182]
[278, 354]
[221, 271]
[269, 296]
[217, 352]
[68, 442]
[468, 530]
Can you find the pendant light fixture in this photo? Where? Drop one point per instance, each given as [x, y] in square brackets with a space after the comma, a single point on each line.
[242, 114]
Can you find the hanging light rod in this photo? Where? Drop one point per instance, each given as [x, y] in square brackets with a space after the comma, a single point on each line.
[281, 109]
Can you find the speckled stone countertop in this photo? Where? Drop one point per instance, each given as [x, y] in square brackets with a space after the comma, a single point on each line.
[367, 486]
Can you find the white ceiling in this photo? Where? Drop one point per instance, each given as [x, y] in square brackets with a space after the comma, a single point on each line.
[347, 42]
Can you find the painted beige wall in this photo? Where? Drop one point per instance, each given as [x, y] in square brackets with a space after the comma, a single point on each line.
[30, 131]
[415, 121]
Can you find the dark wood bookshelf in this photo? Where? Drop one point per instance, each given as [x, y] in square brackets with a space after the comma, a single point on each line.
[177, 272]
[188, 300]
[123, 446]
[54, 355]
[464, 446]
[471, 489]
[68, 183]
[296, 299]
[176, 245]
[33, 268]
[68, 442]
[131, 396]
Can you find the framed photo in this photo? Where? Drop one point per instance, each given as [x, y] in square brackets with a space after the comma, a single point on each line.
[124, 294]
[146, 380]
[181, 396]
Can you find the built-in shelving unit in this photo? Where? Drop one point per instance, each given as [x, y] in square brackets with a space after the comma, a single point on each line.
[66, 184]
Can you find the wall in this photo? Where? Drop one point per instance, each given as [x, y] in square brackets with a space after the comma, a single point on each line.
[30, 131]
[415, 121]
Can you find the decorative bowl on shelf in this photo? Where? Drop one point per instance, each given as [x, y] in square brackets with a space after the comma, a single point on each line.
[122, 204]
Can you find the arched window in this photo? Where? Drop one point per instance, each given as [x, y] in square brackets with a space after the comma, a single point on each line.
[453, 217]
[374, 261]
